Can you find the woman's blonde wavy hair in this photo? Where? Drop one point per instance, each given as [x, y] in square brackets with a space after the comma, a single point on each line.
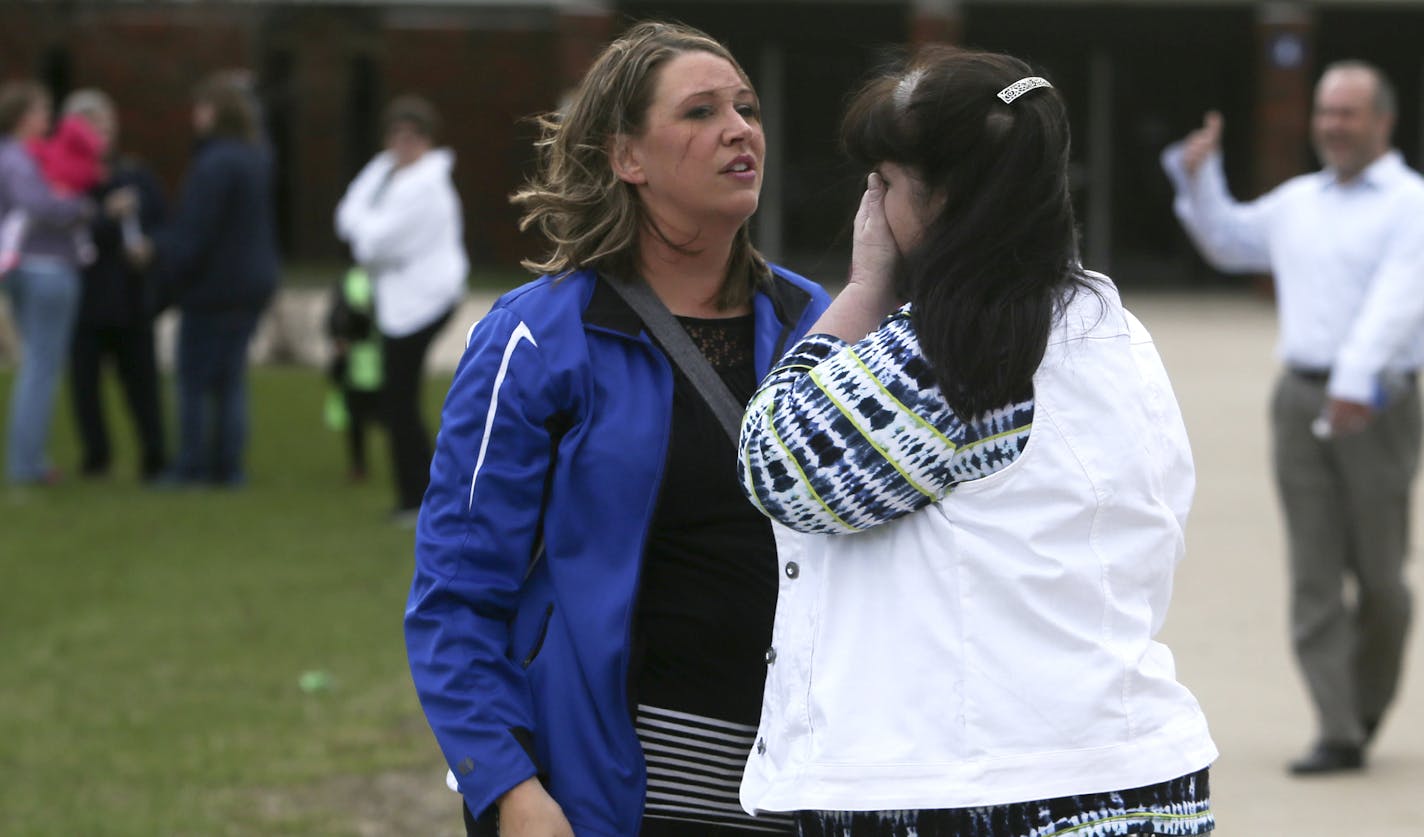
[575, 200]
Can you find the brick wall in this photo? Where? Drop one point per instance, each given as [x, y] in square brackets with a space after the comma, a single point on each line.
[149, 63]
[1284, 73]
[484, 81]
[307, 72]
[147, 59]
[24, 30]
[486, 85]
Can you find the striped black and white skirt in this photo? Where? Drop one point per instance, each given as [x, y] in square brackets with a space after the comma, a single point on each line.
[695, 769]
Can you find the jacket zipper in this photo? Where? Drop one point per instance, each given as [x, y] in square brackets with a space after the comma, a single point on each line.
[539, 638]
[642, 550]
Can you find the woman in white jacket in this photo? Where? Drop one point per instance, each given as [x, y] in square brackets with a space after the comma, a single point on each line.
[991, 483]
[401, 217]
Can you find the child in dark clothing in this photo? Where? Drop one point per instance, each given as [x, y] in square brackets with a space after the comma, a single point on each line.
[355, 366]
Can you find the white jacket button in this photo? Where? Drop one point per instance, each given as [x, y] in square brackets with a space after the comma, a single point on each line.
[761, 746]
[792, 569]
[770, 655]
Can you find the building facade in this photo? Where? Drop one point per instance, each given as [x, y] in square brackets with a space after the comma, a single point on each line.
[1137, 74]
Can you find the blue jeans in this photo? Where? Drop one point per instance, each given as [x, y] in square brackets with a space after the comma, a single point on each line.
[44, 298]
[212, 395]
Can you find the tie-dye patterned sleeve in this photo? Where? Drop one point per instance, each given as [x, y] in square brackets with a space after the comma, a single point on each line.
[841, 437]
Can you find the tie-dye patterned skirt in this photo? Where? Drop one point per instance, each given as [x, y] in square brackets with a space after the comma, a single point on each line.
[1175, 807]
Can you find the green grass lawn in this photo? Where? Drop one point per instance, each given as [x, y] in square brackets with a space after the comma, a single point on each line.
[152, 643]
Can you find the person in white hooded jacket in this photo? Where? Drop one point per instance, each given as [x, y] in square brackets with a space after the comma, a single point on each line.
[989, 479]
[401, 217]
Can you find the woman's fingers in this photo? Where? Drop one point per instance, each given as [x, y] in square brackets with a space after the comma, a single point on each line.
[873, 251]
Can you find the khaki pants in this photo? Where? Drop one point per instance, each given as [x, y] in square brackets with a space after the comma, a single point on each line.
[1346, 505]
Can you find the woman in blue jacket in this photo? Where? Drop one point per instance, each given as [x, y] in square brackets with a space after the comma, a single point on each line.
[592, 599]
[217, 259]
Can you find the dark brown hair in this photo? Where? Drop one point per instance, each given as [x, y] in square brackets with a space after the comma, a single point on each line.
[236, 113]
[412, 111]
[996, 261]
[16, 99]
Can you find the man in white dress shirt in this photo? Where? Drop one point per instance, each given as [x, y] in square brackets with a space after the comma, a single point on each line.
[1346, 246]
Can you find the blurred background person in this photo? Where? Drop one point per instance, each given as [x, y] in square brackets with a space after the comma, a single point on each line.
[43, 279]
[401, 217]
[1346, 247]
[72, 161]
[217, 260]
[115, 322]
[354, 403]
[593, 596]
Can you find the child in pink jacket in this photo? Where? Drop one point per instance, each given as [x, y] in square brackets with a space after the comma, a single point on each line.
[72, 161]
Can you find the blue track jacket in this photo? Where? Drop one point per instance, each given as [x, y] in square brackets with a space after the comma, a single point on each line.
[530, 542]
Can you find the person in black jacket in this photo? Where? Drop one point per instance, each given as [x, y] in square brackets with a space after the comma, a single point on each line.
[217, 260]
[115, 316]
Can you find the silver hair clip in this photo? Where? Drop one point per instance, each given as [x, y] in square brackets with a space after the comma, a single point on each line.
[1020, 87]
[906, 88]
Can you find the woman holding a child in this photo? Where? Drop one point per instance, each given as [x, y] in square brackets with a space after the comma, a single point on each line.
[40, 233]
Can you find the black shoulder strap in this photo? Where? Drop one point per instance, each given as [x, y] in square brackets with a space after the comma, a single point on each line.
[674, 340]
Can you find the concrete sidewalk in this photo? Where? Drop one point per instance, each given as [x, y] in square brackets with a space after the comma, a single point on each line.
[1228, 623]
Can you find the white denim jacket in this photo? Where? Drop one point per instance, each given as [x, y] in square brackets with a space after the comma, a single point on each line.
[997, 646]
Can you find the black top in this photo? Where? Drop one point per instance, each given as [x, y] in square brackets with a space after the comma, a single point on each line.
[709, 581]
[115, 294]
[219, 250]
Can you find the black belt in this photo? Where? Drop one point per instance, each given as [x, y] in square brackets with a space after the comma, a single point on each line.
[1320, 376]
[1306, 373]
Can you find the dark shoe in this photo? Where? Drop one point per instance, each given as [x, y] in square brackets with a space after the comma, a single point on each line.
[48, 478]
[1328, 757]
[154, 467]
[1371, 726]
[171, 480]
[231, 482]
